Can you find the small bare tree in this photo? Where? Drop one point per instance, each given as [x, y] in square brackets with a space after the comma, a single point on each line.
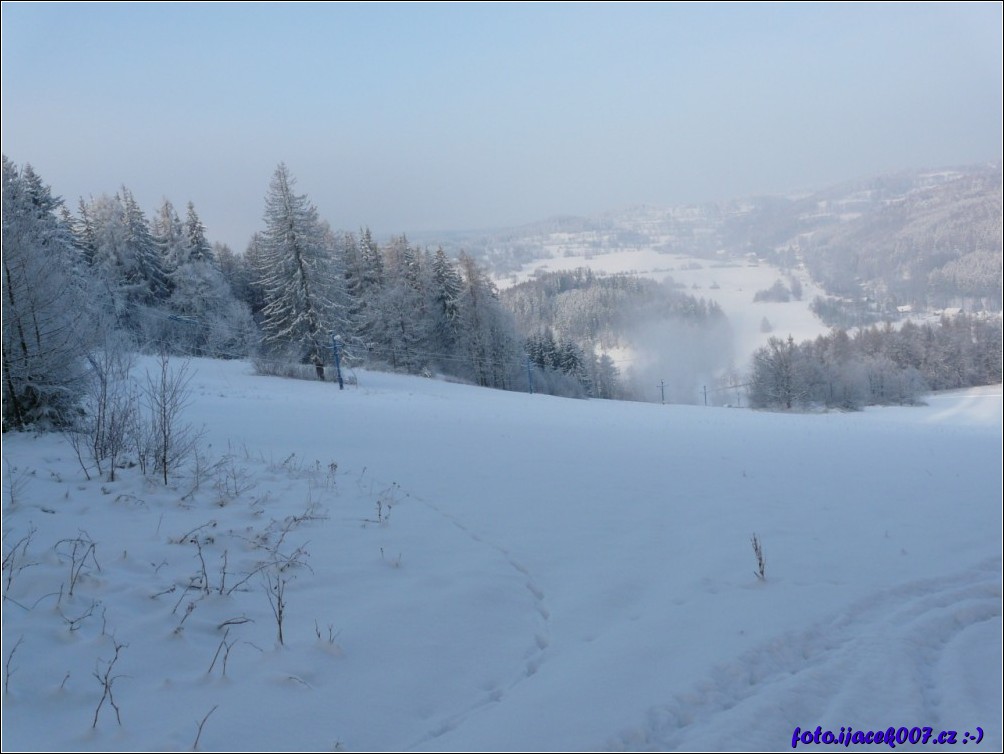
[166, 396]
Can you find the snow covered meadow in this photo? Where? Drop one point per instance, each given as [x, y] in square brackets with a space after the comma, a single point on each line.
[455, 568]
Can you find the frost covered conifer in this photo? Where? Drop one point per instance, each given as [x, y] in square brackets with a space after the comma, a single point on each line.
[446, 287]
[396, 323]
[45, 327]
[147, 275]
[199, 248]
[169, 238]
[296, 274]
[488, 331]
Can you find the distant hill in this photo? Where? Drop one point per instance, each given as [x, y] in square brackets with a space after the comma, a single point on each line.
[924, 238]
[927, 239]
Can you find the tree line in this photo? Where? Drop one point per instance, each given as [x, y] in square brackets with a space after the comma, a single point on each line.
[71, 277]
[74, 282]
[878, 364]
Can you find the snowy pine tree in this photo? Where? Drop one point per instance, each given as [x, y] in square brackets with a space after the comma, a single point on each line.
[364, 281]
[301, 288]
[396, 324]
[126, 257]
[148, 276]
[199, 248]
[445, 290]
[488, 332]
[45, 305]
[83, 234]
[169, 238]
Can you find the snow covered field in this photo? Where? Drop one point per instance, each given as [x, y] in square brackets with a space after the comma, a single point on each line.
[466, 569]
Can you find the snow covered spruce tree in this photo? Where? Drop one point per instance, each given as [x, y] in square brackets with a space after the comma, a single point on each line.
[205, 317]
[45, 323]
[397, 324]
[114, 236]
[446, 287]
[297, 275]
[364, 282]
[489, 334]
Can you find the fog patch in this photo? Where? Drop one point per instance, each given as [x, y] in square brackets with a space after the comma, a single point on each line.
[678, 358]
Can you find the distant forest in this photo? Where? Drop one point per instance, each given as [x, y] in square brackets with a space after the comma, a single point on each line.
[877, 365]
[670, 332]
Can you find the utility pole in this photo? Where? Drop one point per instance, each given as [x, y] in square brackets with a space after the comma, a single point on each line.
[529, 374]
[662, 388]
[338, 361]
[705, 395]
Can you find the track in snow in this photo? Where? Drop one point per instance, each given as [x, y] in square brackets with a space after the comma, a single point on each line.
[535, 652]
[912, 645]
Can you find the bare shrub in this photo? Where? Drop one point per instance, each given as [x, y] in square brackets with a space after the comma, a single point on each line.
[78, 550]
[107, 680]
[277, 576]
[761, 561]
[168, 440]
[105, 429]
[16, 560]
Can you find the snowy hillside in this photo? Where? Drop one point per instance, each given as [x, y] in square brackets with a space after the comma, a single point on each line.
[926, 238]
[465, 569]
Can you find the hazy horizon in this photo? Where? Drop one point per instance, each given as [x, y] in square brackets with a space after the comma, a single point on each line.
[418, 118]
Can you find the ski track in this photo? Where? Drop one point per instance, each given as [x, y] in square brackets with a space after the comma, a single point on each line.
[893, 642]
[535, 654]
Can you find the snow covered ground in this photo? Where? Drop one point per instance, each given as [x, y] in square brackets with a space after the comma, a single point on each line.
[467, 569]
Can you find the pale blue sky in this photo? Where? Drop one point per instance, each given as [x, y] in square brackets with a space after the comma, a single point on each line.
[413, 117]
